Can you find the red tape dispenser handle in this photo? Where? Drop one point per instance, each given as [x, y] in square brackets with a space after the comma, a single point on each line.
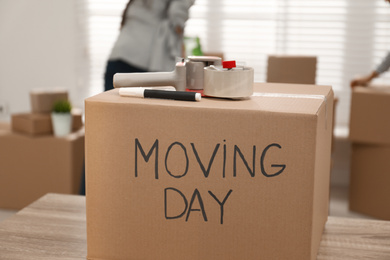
[229, 64]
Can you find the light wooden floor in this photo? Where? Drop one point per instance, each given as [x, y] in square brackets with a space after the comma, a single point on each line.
[338, 205]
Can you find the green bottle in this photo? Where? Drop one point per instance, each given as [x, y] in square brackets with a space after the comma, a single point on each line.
[197, 51]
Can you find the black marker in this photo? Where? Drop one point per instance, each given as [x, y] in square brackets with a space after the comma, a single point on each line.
[164, 94]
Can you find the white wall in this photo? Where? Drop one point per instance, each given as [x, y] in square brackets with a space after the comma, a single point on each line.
[41, 48]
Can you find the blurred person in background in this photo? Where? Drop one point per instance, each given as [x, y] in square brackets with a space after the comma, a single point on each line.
[384, 66]
[363, 81]
[150, 38]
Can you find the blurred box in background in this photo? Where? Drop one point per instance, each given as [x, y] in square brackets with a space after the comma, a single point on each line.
[39, 124]
[32, 123]
[369, 133]
[292, 69]
[33, 166]
[370, 115]
[42, 100]
[215, 54]
[335, 102]
[370, 180]
[77, 121]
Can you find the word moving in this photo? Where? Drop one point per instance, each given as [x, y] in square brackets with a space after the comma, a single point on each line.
[206, 171]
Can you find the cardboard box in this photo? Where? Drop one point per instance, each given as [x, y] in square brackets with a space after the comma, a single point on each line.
[31, 167]
[31, 123]
[39, 124]
[335, 102]
[370, 110]
[215, 54]
[369, 180]
[77, 122]
[216, 179]
[292, 69]
[42, 101]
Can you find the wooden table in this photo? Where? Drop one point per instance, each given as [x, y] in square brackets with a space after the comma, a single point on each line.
[54, 228]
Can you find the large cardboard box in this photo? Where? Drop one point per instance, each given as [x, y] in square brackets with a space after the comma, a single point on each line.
[33, 166]
[215, 179]
[292, 69]
[42, 101]
[369, 180]
[370, 110]
[39, 124]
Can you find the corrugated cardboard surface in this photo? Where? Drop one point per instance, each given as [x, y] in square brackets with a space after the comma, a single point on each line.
[39, 123]
[206, 152]
[33, 166]
[370, 110]
[369, 180]
[43, 101]
[292, 69]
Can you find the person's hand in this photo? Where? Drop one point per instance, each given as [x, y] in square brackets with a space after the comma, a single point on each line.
[360, 82]
[363, 81]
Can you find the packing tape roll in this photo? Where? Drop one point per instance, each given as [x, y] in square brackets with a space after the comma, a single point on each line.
[235, 83]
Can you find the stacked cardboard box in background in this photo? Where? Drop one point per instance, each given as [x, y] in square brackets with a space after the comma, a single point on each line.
[33, 161]
[216, 179]
[38, 121]
[292, 69]
[30, 167]
[370, 162]
[42, 100]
